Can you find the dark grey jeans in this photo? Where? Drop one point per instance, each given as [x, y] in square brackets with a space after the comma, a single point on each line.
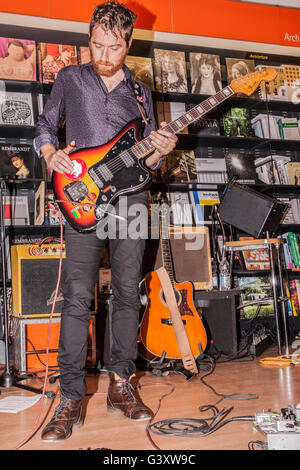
[83, 255]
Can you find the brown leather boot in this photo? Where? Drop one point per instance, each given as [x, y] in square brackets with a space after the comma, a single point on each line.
[121, 399]
[68, 414]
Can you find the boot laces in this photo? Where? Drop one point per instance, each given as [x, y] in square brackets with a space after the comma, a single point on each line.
[63, 404]
[126, 389]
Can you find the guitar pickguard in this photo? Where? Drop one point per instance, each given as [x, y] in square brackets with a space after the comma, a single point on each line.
[184, 308]
[118, 172]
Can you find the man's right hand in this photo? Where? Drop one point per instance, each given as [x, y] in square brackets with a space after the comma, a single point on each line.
[58, 160]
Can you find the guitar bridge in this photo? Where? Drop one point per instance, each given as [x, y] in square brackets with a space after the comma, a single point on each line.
[168, 321]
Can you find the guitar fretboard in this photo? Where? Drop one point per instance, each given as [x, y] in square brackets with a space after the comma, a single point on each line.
[165, 248]
[144, 147]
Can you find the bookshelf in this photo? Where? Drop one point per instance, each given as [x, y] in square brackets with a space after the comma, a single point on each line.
[208, 142]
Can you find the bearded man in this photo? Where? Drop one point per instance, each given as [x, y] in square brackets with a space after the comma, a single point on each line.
[98, 100]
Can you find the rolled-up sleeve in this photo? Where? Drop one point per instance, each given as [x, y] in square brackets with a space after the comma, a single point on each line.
[48, 122]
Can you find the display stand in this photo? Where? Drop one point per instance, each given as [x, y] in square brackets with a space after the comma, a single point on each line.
[277, 280]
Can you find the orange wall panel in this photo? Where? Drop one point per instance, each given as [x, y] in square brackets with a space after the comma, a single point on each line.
[73, 10]
[227, 19]
[154, 15]
[29, 7]
[289, 33]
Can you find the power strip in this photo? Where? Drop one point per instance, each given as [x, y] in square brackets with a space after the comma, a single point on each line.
[260, 344]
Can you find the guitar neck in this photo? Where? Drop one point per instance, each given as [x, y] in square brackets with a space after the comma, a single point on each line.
[144, 147]
[166, 249]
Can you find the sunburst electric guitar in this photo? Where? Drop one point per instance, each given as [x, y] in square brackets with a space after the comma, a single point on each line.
[101, 174]
[157, 337]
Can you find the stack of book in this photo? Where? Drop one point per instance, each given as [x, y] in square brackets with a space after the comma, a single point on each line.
[291, 250]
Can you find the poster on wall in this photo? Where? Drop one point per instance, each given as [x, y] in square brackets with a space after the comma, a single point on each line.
[17, 59]
[141, 69]
[205, 73]
[237, 68]
[170, 71]
[53, 57]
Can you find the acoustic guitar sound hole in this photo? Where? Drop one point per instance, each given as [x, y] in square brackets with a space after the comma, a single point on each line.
[177, 297]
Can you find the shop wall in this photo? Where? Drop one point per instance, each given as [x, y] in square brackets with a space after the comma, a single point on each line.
[229, 19]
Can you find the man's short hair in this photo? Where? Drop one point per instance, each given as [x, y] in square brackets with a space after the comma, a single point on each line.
[114, 16]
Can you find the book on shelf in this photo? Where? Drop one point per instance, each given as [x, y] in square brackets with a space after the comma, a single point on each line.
[291, 75]
[141, 69]
[289, 128]
[293, 294]
[291, 250]
[205, 70]
[7, 261]
[276, 90]
[15, 210]
[17, 59]
[292, 216]
[39, 204]
[240, 166]
[53, 57]
[169, 111]
[52, 211]
[209, 125]
[202, 203]
[255, 259]
[16, 108]
[256, 289]
[84, 55]
[180, 208]
[237, 123]
[211, 170]
[293, 169]
[294, 95]
[272, 169]
[266, 126]
[237, 68]
[170, 71]
[19, 160]
[179, 167]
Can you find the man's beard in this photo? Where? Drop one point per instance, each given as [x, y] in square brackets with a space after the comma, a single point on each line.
[105, 68]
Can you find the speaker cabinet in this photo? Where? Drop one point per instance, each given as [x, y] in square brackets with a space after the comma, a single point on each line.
[30, 343]
[220, 319]
[250, 211]
[191, 256]
[35, 272]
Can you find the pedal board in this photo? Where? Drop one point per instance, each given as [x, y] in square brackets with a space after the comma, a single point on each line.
[282, 430]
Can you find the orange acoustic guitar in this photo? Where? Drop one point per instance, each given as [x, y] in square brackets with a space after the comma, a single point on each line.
[101, 174]
[156, 336]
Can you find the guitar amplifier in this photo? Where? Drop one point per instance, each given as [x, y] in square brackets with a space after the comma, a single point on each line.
[191, 255]
[250, 211]
[30, 343]
[35, 272]
[219, 319]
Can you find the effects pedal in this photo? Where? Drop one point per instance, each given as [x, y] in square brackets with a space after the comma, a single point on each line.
[282, 430]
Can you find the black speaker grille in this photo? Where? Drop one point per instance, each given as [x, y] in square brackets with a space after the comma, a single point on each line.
[38, 284]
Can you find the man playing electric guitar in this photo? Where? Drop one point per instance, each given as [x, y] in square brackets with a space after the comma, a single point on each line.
[98, 101]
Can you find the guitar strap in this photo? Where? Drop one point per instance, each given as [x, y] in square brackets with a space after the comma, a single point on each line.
[188, 359]
[139, 99]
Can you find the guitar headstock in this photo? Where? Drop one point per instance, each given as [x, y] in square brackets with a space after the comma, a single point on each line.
[248, 83]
